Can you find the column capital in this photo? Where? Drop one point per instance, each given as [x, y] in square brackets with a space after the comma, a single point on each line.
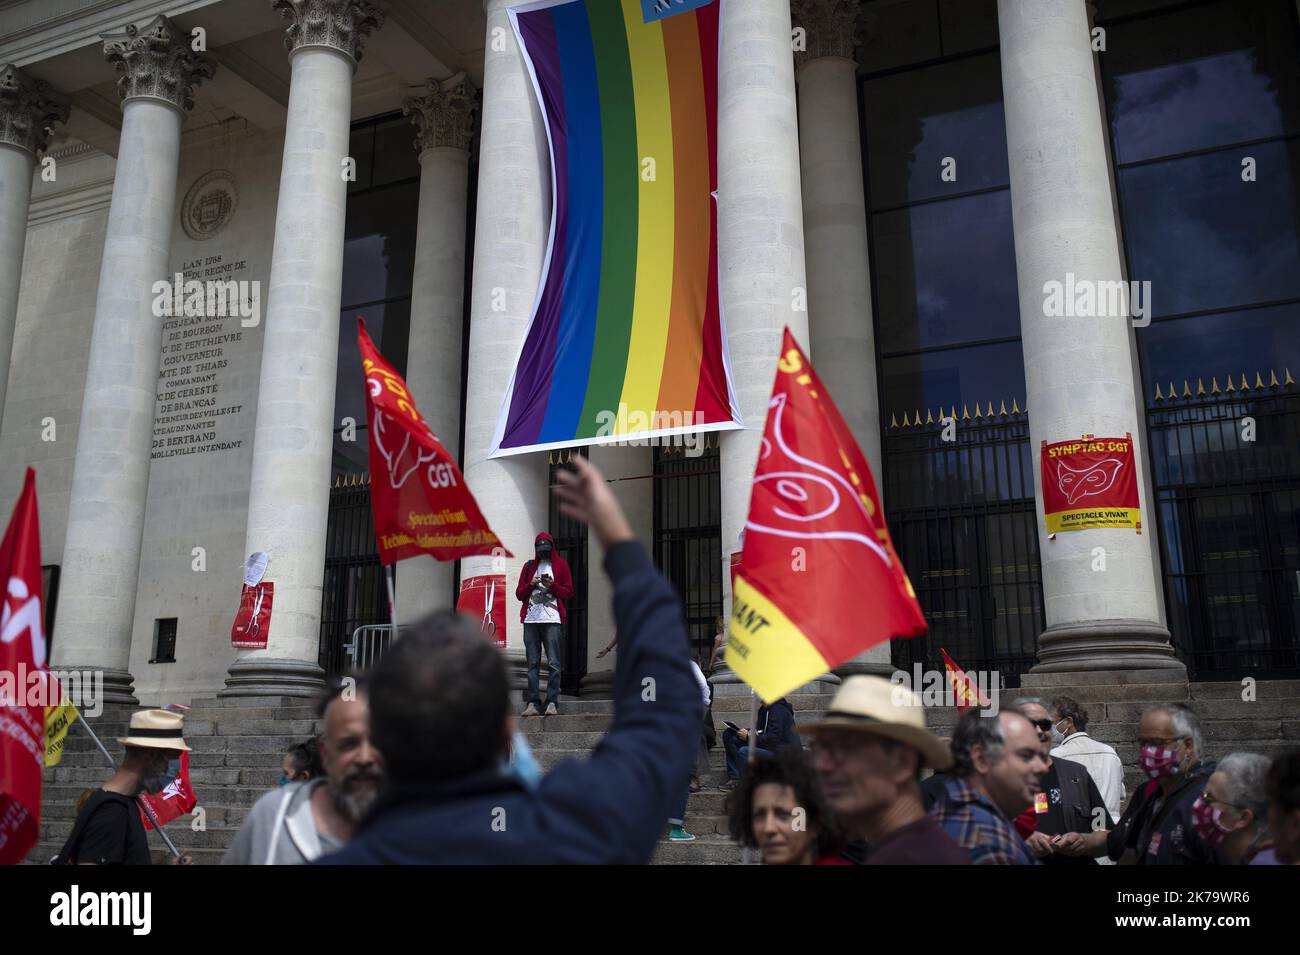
[830, 28]
[341, 25]
[443, 113]
[29, 110]
[157, 62]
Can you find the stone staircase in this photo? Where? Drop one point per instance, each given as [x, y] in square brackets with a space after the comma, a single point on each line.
[238, 743]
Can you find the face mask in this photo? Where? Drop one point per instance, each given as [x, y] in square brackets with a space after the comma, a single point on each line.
[1057, 736]
[1207, 820]
[521, 765]
[1157, 762]
[164, 777]
[284, 780]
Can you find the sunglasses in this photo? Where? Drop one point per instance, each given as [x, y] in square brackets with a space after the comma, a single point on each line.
[1044, 726]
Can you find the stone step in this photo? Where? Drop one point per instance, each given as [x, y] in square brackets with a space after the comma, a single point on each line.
[214, 713]
[1092, 678]
[247, 702]
[571, 723]
[1263, 690]
[705, 850]
[800, 701]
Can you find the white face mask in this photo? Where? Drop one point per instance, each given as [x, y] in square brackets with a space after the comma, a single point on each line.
[1057, 736]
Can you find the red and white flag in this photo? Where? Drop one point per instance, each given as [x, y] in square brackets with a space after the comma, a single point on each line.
[966, 693]
[22, 664]
[417, 494]
[819, 580]
[176, 799]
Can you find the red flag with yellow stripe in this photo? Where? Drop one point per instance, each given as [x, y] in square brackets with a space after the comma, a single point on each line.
[965, 692]
[819, 581]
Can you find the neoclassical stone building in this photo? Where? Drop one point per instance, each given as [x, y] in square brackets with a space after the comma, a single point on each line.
[899, 182]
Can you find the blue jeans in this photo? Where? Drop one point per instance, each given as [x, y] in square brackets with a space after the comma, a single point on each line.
[738, 754]
[535, 635]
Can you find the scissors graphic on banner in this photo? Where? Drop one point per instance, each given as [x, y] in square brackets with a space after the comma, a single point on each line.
[489, 625]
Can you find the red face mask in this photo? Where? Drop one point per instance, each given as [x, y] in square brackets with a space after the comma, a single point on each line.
[1207, 820]
[1157, 761]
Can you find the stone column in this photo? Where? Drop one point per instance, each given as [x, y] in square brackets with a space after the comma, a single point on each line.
[840, 329]
[110, 478]
[444, 120]
[1078, 371]
[288, 501]
[28, 111]
[513, 219]
[760, 230]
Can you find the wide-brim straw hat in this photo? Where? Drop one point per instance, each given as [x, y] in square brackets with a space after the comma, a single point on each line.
[155, 729]
[871, 704]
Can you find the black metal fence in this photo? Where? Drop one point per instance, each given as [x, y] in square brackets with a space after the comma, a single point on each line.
[962, 516]
[688, 534]
[571, 544]
[1226, 469]
[354, 593]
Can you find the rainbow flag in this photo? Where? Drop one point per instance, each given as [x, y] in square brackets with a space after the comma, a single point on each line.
[626, 337]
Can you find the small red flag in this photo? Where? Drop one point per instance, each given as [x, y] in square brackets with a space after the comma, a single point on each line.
[22, 673]
[418, 495]
[176, 799]
[818, 580]
[965, 691]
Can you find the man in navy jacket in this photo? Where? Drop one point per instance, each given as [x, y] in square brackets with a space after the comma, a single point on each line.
[440, 713]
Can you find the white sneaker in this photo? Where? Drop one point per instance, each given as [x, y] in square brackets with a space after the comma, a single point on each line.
[551, 710]
[531, 710]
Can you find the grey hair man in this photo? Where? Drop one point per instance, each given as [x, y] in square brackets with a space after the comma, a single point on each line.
[1232, 814]
[1070, 740]
[997, 763]
[1157, 826]
[300, 822]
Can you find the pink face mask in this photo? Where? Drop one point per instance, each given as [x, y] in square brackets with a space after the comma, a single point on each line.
[1157, 761]
[1207, 820]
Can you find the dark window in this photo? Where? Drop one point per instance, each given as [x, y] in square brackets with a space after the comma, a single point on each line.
[164, 640]
[571, 544]
[1205, 238]
[946, 273]
[1203, 77]
[918, 118]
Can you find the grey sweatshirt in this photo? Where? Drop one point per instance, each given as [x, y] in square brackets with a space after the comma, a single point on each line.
[287, 809]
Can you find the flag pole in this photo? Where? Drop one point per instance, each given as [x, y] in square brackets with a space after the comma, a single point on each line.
[749, 760]
[389, 576]
[112, 763]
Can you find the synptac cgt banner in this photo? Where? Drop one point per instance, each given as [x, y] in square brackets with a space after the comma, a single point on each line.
[1090, 482]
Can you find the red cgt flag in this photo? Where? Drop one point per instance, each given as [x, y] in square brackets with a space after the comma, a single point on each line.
[22, 663]
[818, 580]
[176, 799]
[418, 495]
[965, 692]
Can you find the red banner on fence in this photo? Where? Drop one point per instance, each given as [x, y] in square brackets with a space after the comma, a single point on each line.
[1090, 482]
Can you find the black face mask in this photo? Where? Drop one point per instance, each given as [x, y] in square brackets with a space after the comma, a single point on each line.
[543, 553]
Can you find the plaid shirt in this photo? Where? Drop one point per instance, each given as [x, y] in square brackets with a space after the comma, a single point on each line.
[976, 825]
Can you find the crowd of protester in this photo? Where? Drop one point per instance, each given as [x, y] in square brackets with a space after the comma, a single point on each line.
[422, 761]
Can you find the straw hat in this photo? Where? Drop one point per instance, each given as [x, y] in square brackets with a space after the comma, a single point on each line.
[871, 704]
[155, 729]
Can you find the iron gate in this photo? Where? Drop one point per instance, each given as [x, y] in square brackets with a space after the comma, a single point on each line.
[688, 535]
[571, 544]
[354, 593]
[964, 523]
[1226, 469]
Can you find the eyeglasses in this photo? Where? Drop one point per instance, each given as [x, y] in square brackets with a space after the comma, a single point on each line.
[1211, 801]
[1044, 726]
[836, 748]
[1157, 740]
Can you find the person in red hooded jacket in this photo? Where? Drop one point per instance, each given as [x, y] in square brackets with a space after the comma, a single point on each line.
[544, 585]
